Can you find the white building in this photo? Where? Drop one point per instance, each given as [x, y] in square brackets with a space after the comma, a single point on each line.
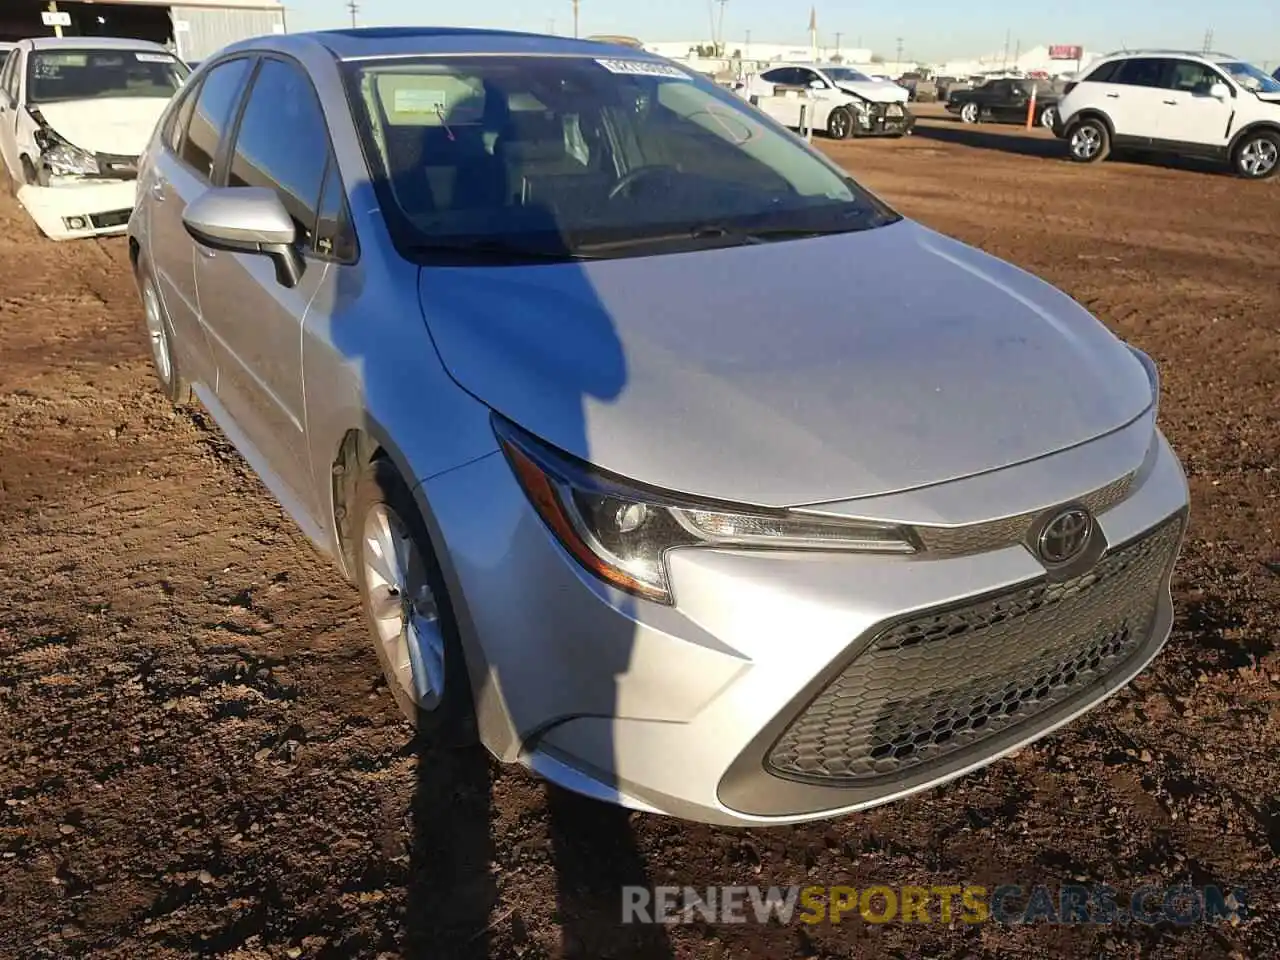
[1035, 60]
[192, 28]
[759, 52]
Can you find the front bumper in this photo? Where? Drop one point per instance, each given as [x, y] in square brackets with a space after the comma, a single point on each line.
[884, 120]
[71, 208]
[766, 695]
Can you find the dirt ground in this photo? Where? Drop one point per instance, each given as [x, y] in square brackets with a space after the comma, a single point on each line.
[197, 756]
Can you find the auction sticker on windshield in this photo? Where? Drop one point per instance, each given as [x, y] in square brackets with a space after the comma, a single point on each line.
[153, 58]
[643, 68]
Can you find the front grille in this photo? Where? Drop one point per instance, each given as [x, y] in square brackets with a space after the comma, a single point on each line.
[979, 537]
[942, 682]
[113, 218]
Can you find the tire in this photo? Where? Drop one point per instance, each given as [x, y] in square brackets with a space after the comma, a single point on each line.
[971, 113]
[407, 598]
[1089, 141]
[159, 331]
[840, 124]
[1047, 117]
[1257, 155]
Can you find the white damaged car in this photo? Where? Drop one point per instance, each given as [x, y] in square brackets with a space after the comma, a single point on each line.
[75, 113]
[847, 103]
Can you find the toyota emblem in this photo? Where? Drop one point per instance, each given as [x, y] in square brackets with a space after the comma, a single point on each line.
[1065, 536]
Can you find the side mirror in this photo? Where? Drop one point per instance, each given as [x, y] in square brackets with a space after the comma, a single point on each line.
[817, 85]
[1220, 91]
[247, 220]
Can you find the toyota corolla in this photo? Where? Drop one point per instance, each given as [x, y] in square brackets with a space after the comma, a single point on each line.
[667, 459]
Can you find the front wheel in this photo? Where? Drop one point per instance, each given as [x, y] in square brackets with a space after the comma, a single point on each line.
[407, 608]
[1089, 142]
[1257, 156]
[970, 113]
[840, 124]
[1048, 117]
[159, 331]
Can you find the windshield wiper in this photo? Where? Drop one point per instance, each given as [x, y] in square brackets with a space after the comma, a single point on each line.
[501, 250]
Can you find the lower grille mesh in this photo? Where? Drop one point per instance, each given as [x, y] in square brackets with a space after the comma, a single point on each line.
[942, 682]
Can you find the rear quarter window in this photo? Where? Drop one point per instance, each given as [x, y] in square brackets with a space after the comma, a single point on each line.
[1105, 73]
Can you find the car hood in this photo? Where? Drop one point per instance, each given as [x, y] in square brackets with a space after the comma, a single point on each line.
[790, 373]
[119, 125]
[876, 91]
[1273, 98]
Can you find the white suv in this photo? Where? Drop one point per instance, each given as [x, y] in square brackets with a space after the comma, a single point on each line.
[1167, 101]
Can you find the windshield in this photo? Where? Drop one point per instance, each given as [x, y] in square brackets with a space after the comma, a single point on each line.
[55, 75]
[585, 156]
[842, 74]
[1251, 78]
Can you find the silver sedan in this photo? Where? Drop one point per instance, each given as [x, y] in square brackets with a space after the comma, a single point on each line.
[668, 460]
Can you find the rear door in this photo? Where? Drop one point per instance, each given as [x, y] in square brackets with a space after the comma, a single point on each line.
[1133, 99]
[1192, 119]
[181, 172]
[281, 142]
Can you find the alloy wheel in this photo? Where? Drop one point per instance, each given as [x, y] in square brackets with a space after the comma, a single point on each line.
[157, 334]
[1086, 142]
[403, 608]
[1259, 157]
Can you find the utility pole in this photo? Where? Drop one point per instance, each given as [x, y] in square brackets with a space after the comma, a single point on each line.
[551, 26]
[838, 36]
[575, 19]
[720, 51]
[898, 65]
[354, 8]
[746, 51]
[1004, 65]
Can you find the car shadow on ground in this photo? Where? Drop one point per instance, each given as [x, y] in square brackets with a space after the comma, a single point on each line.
[1009, 138]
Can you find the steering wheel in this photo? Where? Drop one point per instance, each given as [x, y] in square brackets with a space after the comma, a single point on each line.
[638, 174]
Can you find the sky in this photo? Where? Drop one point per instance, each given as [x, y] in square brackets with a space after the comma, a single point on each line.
[930, 29]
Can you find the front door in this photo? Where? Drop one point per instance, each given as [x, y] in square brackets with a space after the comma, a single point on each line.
[256, 322]
[182, 171]
[1191, 117]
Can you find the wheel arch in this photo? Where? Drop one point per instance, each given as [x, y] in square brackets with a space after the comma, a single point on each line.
[1269, 126]
[1088, 113]
[358, 447]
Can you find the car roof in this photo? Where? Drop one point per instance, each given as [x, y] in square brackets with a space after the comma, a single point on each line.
[1199, 55]
[361, 43]
[93, 43]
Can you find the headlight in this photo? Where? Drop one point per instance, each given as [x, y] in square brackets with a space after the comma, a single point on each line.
[62, 158]
[1153, 377]
[622, 533]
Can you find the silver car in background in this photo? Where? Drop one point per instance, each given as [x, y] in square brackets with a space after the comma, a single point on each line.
[667, 459]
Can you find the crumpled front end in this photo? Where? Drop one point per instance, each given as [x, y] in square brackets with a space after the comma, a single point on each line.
[872, 119]
[77, 192]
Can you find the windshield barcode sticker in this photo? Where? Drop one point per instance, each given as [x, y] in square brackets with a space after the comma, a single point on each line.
[153, 58]
[644, 68]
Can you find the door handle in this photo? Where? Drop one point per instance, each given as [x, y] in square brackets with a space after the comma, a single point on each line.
[1113, 96]
[1172, 103]
[157, 189]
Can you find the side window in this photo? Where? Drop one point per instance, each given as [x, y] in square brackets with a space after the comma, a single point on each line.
[1105, 73]
[334, 236]
[787, 76]
[180, 119]
[212, 115]
[806, 77]
[1141, 72]
[1190, 77]
[283, 142]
